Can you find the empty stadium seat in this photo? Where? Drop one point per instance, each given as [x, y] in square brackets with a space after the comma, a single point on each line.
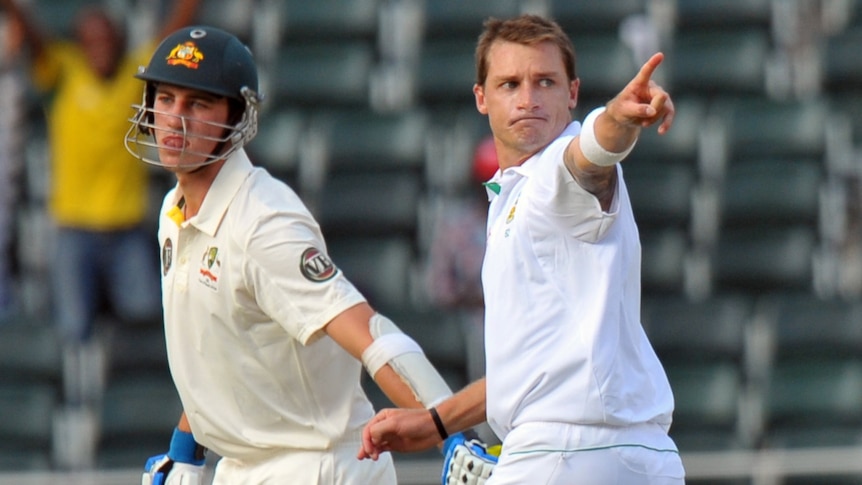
[723, 14]
[302, 20]
[707, 401]
[457, 18]
[323, 73]
[814, 390]
[29, 350]
[379, 267]
[842, 68]
[234, 16]
[712, 63]
[276, 146]
[136, 349]
[359, 142]
[138, 415]
[761, 260]
[663, 256]
[772, 192]
[446, 71]
[30, 392]
[702, 345]
[370, 204]
[763, 127]
[660, 192]
[600, 17]
[27, 425]
[712, 329]
[605, 64]
[362, 140]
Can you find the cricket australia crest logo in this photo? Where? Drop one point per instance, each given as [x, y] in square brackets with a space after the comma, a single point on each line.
[210, 268]
[315, 266]
[186, 54]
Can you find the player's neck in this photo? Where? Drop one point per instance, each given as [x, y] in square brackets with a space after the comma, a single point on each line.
[195, 185]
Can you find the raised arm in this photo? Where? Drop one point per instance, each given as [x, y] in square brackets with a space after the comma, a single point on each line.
[610, 133]
[182, 14]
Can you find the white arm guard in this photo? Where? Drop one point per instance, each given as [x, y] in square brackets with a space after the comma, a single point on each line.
[402, 353]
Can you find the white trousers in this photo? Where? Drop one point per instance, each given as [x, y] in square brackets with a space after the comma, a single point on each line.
[543, 455]
[338, 466]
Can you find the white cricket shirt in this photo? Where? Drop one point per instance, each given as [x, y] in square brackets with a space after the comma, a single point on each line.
[247, 289]
[564, 341]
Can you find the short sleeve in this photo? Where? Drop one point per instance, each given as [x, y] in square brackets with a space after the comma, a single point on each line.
[556, 196]
[293, 277]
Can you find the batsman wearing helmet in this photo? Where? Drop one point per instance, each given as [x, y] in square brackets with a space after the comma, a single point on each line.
[266, 337]
[573, 388]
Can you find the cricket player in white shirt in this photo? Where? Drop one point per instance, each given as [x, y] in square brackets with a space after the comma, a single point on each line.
[573, 388]
[266, 337]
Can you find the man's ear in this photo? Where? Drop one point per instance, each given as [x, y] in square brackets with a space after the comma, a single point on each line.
[479, 93]
[574, 87]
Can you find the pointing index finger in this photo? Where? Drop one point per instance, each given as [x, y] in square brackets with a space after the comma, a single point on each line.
[645, 74]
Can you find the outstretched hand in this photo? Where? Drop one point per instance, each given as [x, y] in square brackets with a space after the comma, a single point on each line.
[643, 102]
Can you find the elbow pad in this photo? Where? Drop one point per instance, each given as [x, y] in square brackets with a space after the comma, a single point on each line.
[402, 353]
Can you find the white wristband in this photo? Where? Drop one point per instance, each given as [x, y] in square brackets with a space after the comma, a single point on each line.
[595, 153]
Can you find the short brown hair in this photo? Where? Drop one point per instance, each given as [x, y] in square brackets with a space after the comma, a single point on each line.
[525, 29]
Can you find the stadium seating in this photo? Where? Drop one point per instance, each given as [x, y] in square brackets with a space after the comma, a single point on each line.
[446, 72]
[598, 17]
[302, 20]
[814, 396]
[663, 260]
[722, 14]
[711, 63]
[138, 415]
[605, 64]
[30, 393]
[371, 204]
[457, 18]
[660, 192]
[702, 345]
[842, 69]
[379, 267]
[319, 73]
[276, 146]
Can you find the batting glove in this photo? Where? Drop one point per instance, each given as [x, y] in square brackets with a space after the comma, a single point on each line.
[183, 464]
[467, 462]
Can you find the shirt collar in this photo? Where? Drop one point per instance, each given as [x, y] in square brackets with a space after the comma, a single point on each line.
[220, 194]
[500, 179]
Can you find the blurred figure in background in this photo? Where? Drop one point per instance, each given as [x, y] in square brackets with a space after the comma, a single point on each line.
[454, 270]
[11, 154]
[98, 194]
[454, 265]
[105, 256]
